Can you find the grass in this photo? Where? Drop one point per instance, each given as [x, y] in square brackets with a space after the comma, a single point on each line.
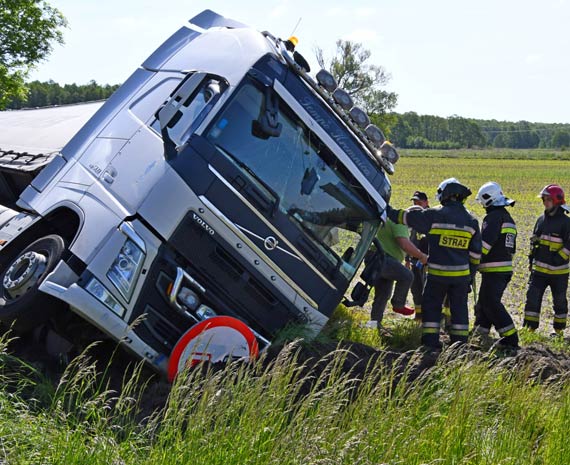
[466, 411]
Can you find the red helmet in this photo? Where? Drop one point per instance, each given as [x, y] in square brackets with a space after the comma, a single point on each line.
[555, 192]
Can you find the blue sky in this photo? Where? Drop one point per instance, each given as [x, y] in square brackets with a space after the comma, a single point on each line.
[492, 59]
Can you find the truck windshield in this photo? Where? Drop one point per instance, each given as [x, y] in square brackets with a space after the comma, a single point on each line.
[311, 186]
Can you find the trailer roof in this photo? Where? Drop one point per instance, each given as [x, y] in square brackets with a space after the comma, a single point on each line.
[43, 130]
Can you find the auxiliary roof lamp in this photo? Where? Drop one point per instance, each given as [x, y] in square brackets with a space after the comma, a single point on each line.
[326, 80]
[359, 116]
[375, 135]
[389, 153]
[343, 98]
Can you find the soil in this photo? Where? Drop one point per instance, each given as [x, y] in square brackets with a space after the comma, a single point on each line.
[536, 361]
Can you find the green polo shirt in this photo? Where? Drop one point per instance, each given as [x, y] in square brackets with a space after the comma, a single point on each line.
[387, 236]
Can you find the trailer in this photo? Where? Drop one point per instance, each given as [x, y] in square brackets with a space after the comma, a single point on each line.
[219, 195]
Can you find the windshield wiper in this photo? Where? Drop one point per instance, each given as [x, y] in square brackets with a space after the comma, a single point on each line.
[248, 170]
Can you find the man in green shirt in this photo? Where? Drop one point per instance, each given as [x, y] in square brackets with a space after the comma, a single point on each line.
[394, 239]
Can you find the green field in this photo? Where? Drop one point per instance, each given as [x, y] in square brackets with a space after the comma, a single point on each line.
[465, 411]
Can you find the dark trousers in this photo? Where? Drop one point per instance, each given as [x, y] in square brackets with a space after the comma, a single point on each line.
[536, 287]
[392, 271]
[417, 288]
[490, 311]
[436, 288]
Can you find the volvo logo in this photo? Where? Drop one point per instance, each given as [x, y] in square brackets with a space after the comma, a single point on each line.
[270, 243]
[203, 224]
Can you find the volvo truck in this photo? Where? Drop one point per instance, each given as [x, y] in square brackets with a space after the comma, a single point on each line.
[221, 190]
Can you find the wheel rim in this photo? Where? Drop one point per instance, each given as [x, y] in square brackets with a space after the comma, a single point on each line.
[24, 273]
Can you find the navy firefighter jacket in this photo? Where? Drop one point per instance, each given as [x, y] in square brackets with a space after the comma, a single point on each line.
[550, 244]
[499, 235]
[453, 236]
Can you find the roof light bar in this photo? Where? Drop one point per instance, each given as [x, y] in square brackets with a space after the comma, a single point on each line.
[326, 80]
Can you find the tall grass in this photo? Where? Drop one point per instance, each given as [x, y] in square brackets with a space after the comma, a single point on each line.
[463, 411]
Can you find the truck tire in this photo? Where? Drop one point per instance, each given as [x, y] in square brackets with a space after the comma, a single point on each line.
[22, 305]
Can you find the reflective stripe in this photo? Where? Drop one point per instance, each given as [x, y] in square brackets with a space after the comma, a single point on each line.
[435, 266]
[474, 261]
[560, 315]
[510, 328]
[402, 217]
[459, 332]
[430, 330]
[486, 248]
[509, 333]
[564, 253]
[559, 320]
[447, 273]
[548, 238]
[431, 324]
[545, 268]
[551, 245]
[475, 255]
[532, 313]
[495, 267]
[453, 232]
[457, 326]
[508, 228]
[498, 269]
[532, 316]
[454, 227]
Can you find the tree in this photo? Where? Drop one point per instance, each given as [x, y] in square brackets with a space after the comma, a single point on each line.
[560, 139]
[28, 30]
[363, 81]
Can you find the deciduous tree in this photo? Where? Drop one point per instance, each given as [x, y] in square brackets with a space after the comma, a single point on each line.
[363, 81]
[28, 31]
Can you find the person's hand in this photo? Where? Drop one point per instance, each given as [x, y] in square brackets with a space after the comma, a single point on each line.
[423, 259]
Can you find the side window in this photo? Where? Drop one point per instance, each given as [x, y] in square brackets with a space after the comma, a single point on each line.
[188, 106]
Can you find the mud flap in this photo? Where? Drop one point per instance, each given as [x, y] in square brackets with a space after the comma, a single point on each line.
[217, 339]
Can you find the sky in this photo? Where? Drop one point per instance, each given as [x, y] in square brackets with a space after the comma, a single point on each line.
[488, 59]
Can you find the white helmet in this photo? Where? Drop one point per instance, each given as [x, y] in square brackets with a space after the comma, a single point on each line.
[443, 185]
[491, 194]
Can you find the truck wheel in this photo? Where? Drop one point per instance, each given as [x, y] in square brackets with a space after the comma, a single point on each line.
[22, 305]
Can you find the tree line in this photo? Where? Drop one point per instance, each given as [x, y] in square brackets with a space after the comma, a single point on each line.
[410, 130]
[44, 94]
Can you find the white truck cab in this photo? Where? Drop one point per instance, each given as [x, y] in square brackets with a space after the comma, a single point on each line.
[219, 180]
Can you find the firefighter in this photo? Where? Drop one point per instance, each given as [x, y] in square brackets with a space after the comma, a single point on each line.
[548, 260]
[454, 244]
[420, 202]
[498, 235]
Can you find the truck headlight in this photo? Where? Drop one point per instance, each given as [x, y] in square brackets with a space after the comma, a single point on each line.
[126, 268]
[97, 290]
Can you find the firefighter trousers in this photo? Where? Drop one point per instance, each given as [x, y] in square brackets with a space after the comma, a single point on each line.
[490, 311]
[536, 287]
[436, 288]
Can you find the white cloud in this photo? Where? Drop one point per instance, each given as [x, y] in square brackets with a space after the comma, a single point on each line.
[365, 12]
[533, 59]
[280, 10]
[362, 35]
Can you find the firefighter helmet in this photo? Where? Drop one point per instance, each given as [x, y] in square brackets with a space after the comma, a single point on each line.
[555, 192]
[452, 188]
[491, 194]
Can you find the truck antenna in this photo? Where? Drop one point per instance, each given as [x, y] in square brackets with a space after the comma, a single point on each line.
[296, 26]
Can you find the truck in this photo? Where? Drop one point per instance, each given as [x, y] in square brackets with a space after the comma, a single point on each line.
[221, 194]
